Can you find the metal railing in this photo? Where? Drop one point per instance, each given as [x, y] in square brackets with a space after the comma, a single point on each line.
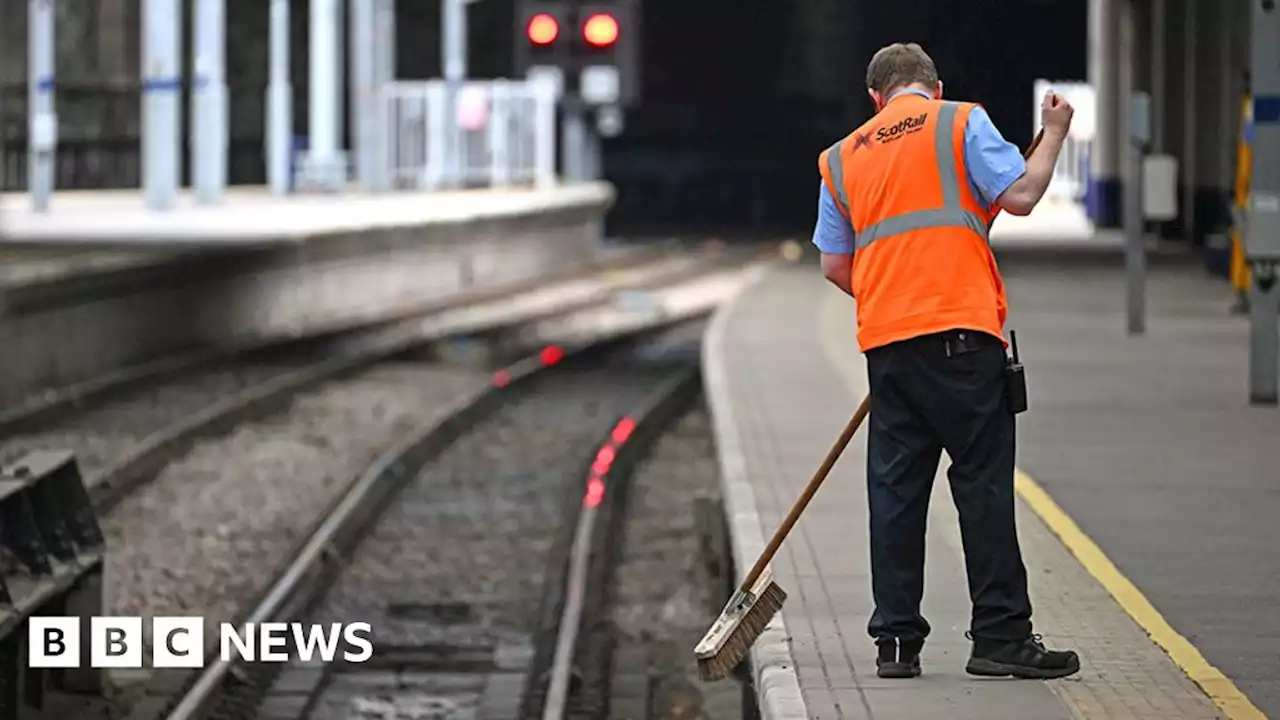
[503, 133]
[1071, 174]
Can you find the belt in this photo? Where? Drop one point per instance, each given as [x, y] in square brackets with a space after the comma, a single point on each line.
[957, 342]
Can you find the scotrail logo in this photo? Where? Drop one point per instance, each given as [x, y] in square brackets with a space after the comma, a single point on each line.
[178, 642]
[902, 127]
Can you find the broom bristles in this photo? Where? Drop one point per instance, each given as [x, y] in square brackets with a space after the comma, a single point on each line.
[743, 634]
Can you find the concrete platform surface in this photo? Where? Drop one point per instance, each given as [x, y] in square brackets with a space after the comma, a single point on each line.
[252, 216]
[1146, 511]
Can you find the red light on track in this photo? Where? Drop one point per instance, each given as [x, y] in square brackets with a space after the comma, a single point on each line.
[543, 29]
[600, 30]
[595, 493]
[604, 460]
[501, 378]
[623, 430]
[551, 355]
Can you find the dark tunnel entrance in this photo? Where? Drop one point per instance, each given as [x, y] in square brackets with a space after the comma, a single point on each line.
[741, 96]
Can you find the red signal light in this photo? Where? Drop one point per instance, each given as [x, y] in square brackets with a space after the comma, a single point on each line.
[604, 460]
[551, 355]
[623, 430]
[595, 493]
[600, 30]
[543, 29]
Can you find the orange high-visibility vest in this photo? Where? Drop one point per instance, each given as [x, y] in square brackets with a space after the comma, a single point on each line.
[922, 263]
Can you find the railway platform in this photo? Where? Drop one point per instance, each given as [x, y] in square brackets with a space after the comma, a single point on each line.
[1147, 497]
[253, 217]
[99, 282]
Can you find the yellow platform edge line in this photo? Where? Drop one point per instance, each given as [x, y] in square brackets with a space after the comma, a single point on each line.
[1216, 685]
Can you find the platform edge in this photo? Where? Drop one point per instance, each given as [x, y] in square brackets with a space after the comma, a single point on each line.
[774, 671]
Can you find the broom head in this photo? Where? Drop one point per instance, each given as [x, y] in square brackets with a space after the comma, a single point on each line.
[743, 619]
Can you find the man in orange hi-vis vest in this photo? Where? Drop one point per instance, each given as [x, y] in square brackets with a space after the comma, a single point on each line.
[906, 201]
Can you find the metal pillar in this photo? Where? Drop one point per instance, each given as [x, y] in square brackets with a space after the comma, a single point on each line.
[1190, 107]
[1159, 74]
[340, 90]
[209, 117]
[453, 59]
[1104, 158]
[573, 147]
[325, 167]
[279, 149]
[592, 155]
[364, 91]
[42, 135]
[161, 102]
[1263, 238]
[1135, 124]
[384, 71]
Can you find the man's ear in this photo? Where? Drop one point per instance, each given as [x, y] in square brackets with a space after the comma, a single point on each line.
[937, 93]
[876, 100]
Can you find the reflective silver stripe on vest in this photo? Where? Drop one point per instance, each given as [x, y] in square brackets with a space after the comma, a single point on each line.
[836, 168]
[952, 213]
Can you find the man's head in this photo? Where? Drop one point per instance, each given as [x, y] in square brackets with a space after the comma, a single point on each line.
[899, 66]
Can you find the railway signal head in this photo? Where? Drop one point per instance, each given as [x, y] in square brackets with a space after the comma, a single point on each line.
[600, 30]
[543, 29]
[541, 32]
[607, 45]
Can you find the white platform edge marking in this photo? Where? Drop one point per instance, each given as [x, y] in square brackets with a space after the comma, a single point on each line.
[774, 668]
[292, 219]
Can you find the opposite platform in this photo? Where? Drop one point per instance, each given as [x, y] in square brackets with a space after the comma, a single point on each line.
[98, 283]
[1111, 431]
[251, 216]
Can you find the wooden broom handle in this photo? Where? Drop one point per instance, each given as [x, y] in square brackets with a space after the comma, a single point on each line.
[832, 455]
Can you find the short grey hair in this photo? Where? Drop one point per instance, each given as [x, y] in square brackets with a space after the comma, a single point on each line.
[899, 65]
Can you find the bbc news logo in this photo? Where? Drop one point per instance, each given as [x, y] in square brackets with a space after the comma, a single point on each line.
[178, 642]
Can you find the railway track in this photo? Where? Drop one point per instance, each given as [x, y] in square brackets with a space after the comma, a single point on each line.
[125, 428]
[500, 565]
[229, 490]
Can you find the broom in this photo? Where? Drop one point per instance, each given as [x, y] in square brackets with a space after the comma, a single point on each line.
[759, 598]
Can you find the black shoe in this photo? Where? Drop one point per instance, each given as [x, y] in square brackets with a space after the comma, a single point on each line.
[898, 659]
[1027, 659]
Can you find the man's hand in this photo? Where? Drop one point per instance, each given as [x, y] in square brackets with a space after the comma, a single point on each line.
[1022, 196]
[1055, 114]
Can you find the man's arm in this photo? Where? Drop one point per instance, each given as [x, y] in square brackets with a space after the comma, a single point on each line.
[1013, 184]
[996, 166]
[833, 236]
[1025, 193]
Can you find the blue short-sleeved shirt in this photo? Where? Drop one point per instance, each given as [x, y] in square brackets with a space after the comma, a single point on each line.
[993, 164]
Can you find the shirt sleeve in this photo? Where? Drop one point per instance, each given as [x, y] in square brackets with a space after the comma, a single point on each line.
[832, 234]
[993, 162]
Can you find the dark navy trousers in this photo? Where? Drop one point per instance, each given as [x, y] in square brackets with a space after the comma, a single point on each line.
[924, 402]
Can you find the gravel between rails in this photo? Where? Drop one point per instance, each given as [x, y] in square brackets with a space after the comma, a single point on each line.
[210, 532]
[460, 560]
[663, 594]
[107, 431]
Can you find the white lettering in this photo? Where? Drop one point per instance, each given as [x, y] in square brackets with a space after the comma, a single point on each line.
[353, 637]
[274, 635]
[231, 636]
[306, 641]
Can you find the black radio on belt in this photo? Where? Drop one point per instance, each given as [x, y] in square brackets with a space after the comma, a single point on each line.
[1015, 378]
